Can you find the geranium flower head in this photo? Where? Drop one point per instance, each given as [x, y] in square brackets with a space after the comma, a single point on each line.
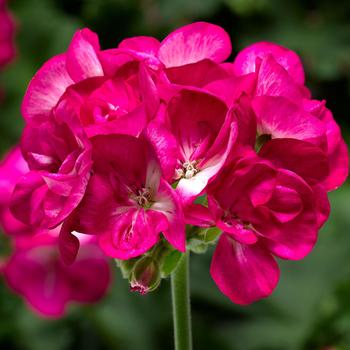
[126, 146]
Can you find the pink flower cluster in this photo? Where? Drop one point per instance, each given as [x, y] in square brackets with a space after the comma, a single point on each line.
[131, 144]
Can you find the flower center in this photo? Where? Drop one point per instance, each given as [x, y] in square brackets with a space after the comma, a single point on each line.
[234, 220]
[261, 140]
[188, 170]
[144, 198]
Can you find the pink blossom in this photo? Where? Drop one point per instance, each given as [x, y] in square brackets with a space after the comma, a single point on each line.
[263, 212]
[58, 73]
[7, 29]
[59, 158]
[122, 104]
[249, 58]
[118, 102]
[35, 271]
[200, 132]
[283, 106]
[127, 202]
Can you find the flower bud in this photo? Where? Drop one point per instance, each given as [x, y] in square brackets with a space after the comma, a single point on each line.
[145, 276]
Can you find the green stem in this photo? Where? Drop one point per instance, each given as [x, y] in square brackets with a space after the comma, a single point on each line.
[180, 293]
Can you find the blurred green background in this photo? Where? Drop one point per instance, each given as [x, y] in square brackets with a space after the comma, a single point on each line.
[311, 307]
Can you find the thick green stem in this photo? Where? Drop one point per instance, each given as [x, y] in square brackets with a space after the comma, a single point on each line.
[180, 291]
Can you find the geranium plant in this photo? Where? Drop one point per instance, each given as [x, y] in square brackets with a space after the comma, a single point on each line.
[151, 150]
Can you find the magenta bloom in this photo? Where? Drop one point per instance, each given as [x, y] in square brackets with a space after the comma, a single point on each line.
[127, 145]
[199, 135]
[122, 104]
[128, 203]
[263, 212]
[35, 272]
[7, 29]
[283, 107]
[59, 158]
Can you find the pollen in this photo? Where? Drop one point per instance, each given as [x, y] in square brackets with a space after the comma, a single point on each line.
[188, 170]
[144, 197]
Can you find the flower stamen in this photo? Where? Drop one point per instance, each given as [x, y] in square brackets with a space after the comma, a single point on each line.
[188, 170]
[144, 197]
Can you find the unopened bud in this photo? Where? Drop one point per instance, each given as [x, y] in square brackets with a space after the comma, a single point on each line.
[145, 276]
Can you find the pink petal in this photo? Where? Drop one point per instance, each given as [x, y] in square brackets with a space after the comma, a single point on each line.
[132, 233]
[244, 115]
[12, 167]
[339, 166]
[245, 183]
[82, 56]
[45, 89]
[198, 215]
[196, 74]
[27, 197]
[98, 206]
[129, 124]
[90, 275]
[143, 44]
[193, 43]
[11, 225]
[273, 80]
[46, 199]
[165, 147]
[230, 89]
[244, 273]
[295, 238]
[323, 207]
[109, 155]
[195, 118]
[168, 203]
[209, 168]
[332, 128]
[68, 244]
[245, 62]
[237, 231]
[285, 203]
[30, 274]
[301, 157]
[113, 59]
[35, 272]
[283, 119]
[149, 92]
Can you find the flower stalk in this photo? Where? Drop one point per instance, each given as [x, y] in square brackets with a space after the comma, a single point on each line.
[180, 292]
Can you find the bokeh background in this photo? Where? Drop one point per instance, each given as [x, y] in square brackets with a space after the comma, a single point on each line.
[311, 307]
